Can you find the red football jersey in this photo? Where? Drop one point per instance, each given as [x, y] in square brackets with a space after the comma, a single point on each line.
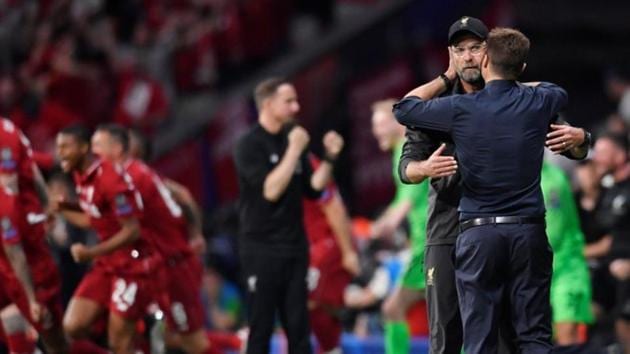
[107, 194]
[9, 218]
[162, 218]
[315, 222]
[16, 157]
[10, 229]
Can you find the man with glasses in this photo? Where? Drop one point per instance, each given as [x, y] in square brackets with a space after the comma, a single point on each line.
[430, 154]
[502, 253]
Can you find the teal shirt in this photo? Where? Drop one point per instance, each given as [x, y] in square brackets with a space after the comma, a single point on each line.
[418, 195]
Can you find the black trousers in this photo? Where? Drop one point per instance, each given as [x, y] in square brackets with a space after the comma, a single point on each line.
[505, 260]
[445, 323]
[276, 285]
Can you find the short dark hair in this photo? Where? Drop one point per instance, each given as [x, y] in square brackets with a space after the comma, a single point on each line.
[267, 88]
[507, 51]
[80, 133]
[117, 132]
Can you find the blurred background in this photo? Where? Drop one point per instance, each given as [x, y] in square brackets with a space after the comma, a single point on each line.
[182, 72]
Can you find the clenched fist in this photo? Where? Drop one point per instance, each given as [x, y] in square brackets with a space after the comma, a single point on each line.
[36, 311]
[80, 253]
[333, 143]
[298, 138]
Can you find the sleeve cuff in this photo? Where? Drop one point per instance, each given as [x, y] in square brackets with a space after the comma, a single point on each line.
[402, 168]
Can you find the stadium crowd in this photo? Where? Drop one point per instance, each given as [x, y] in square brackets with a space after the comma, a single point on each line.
[94, 61]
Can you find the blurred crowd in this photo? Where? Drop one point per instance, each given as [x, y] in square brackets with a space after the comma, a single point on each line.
[67, 61]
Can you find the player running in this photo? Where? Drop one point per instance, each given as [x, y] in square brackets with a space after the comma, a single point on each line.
[123, 262]
[163, 219]
[30, 278]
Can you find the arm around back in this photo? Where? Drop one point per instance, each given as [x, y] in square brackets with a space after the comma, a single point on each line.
[435, 114]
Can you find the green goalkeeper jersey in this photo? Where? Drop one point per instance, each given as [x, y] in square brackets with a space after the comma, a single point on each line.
[570, 284]
[418, 196]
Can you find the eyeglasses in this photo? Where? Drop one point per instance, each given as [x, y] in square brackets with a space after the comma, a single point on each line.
[474, 49]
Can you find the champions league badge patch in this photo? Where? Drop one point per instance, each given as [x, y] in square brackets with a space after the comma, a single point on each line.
[6, 159]
[123, 207]
[8, 231]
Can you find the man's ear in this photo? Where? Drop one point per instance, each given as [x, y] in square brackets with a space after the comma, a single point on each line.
[485, 61]
[265, 103]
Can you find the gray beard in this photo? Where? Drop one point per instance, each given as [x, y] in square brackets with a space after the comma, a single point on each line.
[471, 76]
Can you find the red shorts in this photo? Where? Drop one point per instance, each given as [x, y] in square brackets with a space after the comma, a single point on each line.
[185, 312]
[126, 295]
[327, 279]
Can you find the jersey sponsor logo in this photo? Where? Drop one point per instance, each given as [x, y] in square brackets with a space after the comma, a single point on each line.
[6, 159]
[8, 231]
[430, 276]
[123, 206]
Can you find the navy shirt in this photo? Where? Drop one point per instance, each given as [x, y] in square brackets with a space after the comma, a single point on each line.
[500, 135]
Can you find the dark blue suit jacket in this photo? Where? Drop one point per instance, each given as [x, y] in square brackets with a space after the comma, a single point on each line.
[499, 133]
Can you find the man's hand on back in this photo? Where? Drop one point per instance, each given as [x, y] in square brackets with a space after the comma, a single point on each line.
[438, 165]
[564, 137]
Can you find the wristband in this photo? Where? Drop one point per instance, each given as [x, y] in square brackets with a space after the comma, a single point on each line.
[329, 159]
[588, 139]
[447, 82]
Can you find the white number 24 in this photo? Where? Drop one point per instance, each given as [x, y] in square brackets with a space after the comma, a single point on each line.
[124, 294]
